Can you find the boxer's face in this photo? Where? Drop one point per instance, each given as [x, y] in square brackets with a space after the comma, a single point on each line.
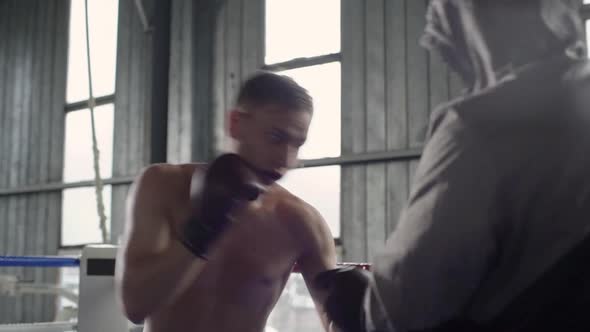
[269, 137]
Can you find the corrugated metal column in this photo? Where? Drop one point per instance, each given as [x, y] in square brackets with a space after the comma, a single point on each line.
[353, 178]
[397, 105]
[133, 105]
[238, 53]
[160, 74]
[180, 98]
[192, 102]
[206, 17]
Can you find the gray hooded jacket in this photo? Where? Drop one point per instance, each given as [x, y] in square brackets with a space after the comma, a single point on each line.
[503, 187]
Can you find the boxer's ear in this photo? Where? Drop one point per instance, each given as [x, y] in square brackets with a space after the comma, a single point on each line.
[235, 123]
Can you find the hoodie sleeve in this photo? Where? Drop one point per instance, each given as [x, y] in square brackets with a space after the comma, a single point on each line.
[444, 241]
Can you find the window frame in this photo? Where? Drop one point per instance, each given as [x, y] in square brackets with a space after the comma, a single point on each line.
[63, 186]
[585, 14]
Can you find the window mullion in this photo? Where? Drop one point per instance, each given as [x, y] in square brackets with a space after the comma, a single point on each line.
[303, 62]
[83, 104]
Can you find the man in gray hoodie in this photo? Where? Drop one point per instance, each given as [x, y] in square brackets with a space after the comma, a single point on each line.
[502, 191]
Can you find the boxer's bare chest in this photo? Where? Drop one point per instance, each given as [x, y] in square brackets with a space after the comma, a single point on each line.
[251, 261]
[246, 272]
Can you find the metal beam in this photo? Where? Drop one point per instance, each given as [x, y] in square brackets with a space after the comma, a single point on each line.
[80, 105]
[57, 186]
[302, 62]
[364, 158]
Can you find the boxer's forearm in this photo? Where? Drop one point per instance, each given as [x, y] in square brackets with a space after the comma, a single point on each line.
[325, 320]
[151, 281]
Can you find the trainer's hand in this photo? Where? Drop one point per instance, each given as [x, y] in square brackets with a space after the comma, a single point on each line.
[346, 290]
[228, 182]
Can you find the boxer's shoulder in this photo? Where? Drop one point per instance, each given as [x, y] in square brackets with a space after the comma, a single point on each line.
[288, 206]
[162, 174]
[301, 217]
[165, 180]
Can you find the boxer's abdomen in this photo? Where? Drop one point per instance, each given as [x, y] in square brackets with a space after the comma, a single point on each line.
[223, 303]
[240, 285]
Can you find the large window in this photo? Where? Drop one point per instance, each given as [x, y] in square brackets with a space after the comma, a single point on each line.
[80, 220]
[302, 40]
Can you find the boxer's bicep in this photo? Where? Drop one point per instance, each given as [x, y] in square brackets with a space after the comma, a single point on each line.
[320, 252]
[319, 256]
[149, 258]
[147, 229]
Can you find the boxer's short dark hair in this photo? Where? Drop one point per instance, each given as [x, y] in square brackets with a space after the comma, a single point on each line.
[265, 88]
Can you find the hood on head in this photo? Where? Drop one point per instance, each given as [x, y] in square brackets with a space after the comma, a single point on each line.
[482, 40]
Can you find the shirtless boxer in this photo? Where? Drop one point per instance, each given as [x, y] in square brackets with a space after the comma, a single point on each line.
[209, 248]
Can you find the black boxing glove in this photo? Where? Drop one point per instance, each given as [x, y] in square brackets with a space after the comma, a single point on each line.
[228, 182]
[346, 291]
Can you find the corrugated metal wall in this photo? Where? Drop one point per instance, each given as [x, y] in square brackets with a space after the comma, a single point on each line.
[33, 58]
[133, 86]
[390, 85]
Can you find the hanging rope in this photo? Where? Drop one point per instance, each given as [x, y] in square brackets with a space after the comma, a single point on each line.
[98, 185]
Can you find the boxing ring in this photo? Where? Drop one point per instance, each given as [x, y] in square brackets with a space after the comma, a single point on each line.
[98, 309]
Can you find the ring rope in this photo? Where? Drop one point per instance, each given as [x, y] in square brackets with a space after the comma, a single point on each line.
[38, 261]
[39, 327]
[95, 152]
